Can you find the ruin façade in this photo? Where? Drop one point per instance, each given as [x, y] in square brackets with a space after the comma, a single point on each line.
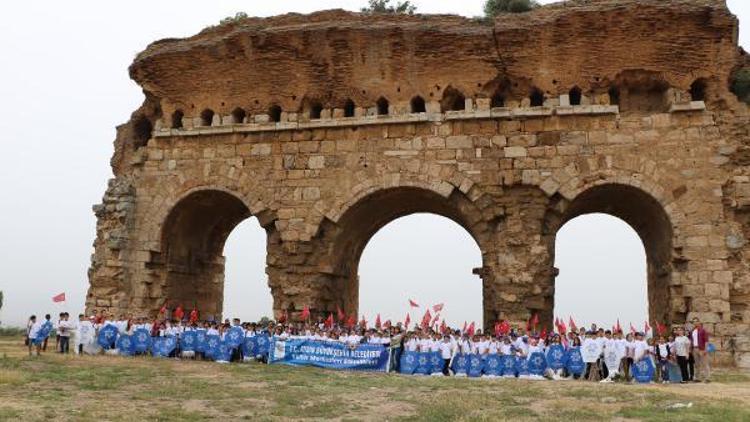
[328, 126]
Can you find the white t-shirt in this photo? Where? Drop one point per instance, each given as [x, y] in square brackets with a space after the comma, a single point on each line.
[639, 349]
[446, 350]
[34, 330]
[682, 346]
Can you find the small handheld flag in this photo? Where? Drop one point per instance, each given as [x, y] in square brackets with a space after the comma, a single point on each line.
[305, 314]
[59, 298]
[438, 307]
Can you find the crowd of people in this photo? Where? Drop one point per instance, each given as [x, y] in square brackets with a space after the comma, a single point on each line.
[681, 355]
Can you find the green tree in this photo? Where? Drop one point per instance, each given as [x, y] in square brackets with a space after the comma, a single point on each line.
[384, 6]
[493, 8]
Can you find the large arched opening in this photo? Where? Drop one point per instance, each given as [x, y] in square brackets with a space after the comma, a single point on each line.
[427, 258]
[365, 219]
[193, 238]
[602, 272]
[648, 219]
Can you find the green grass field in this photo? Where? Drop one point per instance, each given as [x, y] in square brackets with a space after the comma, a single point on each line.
[85, 388]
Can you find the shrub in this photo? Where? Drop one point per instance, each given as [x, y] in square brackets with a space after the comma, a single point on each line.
[741, 85]
[384, 6]
[493, 8]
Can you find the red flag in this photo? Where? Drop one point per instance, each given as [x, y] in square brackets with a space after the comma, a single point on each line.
[557, 323]
[351, 322]
[660, 328]
[646, 328]
[179, 313]
[194, 316]
[563, 327]
[573, 326]
[497, 328]
[471, 329]
[305, 314]
[504, 327]
[163, 309]
[329, 321]
[59, 298]
[438, 307]
[363, 322]
[544, 333]
[435, 319]
[377, 322]
[413, 304]
[426, 319]
[535, 321]
[340, 314]
[618, 328]
[443, 327]
[407, 321]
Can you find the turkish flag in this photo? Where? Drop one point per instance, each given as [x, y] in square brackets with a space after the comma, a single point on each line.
[573, 326]
[426, 319]
[179, 313]
[363, 322]
[377, 322]
[543, 335]
[194, 315]
[341, 315]
[329, 321]
[305, 313]
[413, 304]
[618, 328]
[59, 298]
[438, 307]
[443, 327]
[471, 329]
[407, 321]
[351, 322]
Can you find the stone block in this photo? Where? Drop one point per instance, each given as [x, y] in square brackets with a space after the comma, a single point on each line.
[316, 162]
[457, 142]
[515, 152]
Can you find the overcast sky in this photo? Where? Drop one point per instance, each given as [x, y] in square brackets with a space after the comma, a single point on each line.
[64, 87]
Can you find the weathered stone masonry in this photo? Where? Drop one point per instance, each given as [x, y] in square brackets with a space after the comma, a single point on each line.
[328, 126]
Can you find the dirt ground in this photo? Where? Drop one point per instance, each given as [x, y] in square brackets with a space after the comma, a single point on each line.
[117, 388]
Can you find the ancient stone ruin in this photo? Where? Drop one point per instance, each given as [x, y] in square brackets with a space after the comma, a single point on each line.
[328, 126]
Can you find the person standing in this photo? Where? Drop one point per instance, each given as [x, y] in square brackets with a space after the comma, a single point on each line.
[47, 321]
[32, 332]
[446, 353]
[682, 352]
[63, 333]
[699, 338]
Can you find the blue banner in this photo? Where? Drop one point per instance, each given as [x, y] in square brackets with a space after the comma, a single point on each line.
[364, 357]
[223, 352]
[556, 357]
[643, 370]
[107, 337]
[408, 362]
[537, 363]
[141, 340]
[234, 337]
[200, 341]
[262, 344]
[423, 363]
[575, 364]
[492, 366]
[476, 366]
[188, 341]
[436, 363]
[125, 345]
[213, 341]
[461, 364]
[508, 363]
[522, 366]
[43, 333]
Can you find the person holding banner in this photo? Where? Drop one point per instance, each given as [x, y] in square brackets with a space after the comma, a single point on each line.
[447, 351]
[31, 334]
[663, 353]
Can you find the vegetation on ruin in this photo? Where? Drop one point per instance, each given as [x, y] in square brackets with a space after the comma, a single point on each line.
[86, 388]
[741, 85]
[493, 8]
[385, 6]
[232, 19]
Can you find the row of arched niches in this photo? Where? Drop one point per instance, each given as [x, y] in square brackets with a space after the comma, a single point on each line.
[651, 96]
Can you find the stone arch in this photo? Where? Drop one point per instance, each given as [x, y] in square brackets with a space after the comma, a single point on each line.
[351, 224]
[192, 239]
[643, 208]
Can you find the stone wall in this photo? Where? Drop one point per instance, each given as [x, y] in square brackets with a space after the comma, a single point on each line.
[329, 126]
